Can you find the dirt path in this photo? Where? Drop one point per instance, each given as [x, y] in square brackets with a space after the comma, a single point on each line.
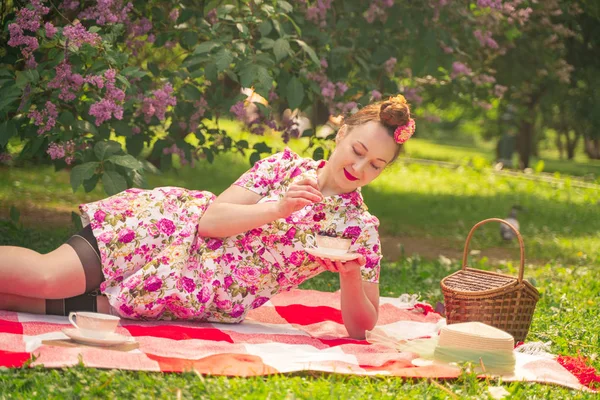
[394, 247]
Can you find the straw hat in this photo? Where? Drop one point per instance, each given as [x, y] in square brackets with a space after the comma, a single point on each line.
[485, 346]
[489, 349]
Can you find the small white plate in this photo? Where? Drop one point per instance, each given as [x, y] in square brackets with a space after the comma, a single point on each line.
[112, 339]
[323, 253]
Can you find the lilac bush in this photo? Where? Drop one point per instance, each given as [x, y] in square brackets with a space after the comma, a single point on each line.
[74, 74]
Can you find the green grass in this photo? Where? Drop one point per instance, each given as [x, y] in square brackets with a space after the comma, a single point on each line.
[580, 167]
[566, 316]
[561, 229]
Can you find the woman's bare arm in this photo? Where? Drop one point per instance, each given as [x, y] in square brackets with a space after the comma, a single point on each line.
[237, 209]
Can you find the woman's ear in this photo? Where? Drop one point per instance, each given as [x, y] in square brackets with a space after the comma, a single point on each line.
[341, 134]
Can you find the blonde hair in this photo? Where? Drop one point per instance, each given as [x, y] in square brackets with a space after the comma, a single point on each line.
[390, 113]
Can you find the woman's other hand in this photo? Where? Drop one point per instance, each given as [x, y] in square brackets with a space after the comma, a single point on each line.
[342, 268]
[298, 196]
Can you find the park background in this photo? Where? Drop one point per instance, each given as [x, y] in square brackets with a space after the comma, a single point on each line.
[98, 96]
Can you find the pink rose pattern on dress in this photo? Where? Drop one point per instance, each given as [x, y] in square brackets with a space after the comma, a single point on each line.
[156, 266]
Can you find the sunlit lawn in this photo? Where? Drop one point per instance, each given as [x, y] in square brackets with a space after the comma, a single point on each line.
[561, 229]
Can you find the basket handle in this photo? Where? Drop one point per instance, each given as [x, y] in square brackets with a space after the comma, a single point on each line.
[485, 221]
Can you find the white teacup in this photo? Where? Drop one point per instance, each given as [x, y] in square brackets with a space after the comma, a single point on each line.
[94, 325]
[332, 245]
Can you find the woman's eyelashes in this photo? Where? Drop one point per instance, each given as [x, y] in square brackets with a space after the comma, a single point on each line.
[361, 155]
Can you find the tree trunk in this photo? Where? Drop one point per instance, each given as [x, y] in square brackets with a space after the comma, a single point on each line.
[525, 143]
[572, 144]
[592, 148]
[559, 145]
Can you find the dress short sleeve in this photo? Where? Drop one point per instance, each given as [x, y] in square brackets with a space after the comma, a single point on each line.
[368, 244]
[268, 173]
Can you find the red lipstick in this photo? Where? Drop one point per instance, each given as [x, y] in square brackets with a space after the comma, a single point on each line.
[349, 176]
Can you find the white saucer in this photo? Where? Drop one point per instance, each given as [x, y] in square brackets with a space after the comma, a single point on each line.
[323, 253]
[112, 339]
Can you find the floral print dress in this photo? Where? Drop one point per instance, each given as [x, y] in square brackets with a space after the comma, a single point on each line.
[156, 266]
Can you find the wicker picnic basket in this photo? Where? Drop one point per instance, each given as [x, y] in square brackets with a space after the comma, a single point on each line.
[495, 299]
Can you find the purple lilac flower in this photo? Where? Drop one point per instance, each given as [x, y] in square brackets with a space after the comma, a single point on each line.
[238, 110]
[28, 19]
[390, 64]
[50, 30]
[174, 14]
[157, 106]
[78, 35]
[458, 69]
[106, 11]
[46, 119]
[211, 17]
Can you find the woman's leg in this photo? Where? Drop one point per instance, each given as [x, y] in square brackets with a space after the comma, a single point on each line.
[12, 302]
[56, 275]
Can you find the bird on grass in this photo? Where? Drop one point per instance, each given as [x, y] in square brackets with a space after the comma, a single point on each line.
[505, 231]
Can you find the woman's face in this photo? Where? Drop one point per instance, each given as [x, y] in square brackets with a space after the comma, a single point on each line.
[361, 154]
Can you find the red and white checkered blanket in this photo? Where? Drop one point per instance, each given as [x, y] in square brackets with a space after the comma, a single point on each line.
[300, 330]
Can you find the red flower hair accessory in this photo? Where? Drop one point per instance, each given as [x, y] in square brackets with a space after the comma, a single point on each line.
[404, 132]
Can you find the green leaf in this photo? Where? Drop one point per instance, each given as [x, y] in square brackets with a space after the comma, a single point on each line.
[242, 28]
[191, 92]
[5, 101]
[210, 157]
[318, 154]
[106, 149]
[25, 77]
[205, 47]
[153, 67]
[134, 72]
[126, 161]
[135, 145]
[242, 144]
[210, 72]
[90, 183]
[7, 130]
[262, 147]
[265, 28]
[225, 9]
[86, 127]
[281, 48]
[277, 27]
[189, 39]
[266, 43]
[298, 30]
[82, 172]
[309, 51]
[294, 93]
[308, 133]
[254, 157]
[285, 6]
[66, 118]
[222, 59]
[256, 75]
[122, 128]
[114, 182]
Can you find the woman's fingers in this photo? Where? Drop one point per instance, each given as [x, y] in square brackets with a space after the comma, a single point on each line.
[306, 188]
[313, 197]
[308, 181]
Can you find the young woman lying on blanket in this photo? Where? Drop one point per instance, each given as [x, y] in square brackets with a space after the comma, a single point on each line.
[173, 253]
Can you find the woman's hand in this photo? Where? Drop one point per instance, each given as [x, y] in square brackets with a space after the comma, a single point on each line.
[298, 196]
[342, 268]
